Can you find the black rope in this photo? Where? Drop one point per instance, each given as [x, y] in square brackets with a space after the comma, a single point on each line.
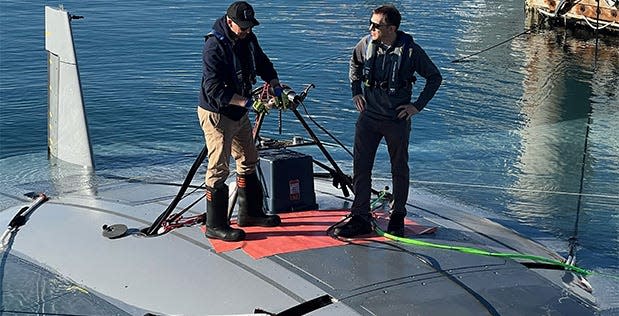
[179, 215]
[573, 240]
[493, 46]
[152, 230]
[325, 130]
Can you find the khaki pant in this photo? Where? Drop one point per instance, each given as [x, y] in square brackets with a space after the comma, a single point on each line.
[225, 137]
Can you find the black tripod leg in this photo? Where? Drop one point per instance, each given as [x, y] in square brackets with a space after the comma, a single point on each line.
[346, 183]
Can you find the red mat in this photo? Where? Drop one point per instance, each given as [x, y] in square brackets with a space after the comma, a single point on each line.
[301, 231]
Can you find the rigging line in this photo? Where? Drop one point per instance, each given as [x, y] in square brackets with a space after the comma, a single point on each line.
[178, 216]
[150, 231]
[573, 240]
[195, 188]
[324, 130]
[471, 185]
[493, 46]
[135, 180]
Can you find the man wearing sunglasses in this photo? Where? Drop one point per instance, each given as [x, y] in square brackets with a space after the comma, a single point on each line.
[232, 59]
[381, 73]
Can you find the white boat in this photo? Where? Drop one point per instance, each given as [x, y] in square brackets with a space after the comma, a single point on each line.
[73, 245]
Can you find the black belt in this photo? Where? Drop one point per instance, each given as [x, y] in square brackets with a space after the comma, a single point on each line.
[384, 85]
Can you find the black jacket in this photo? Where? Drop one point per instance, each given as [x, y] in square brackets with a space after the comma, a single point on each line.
[219, 76]
[380, 104]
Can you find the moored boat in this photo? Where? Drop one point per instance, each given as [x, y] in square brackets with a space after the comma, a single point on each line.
[593, 14]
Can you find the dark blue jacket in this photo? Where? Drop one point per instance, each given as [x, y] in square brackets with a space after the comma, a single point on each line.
[221, 79]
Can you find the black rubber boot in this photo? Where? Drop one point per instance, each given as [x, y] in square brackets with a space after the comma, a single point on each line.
[396, 224]
[250, 199]
[217, 225]
[356, 226]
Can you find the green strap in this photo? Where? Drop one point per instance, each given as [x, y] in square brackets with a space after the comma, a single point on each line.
[480, 252]
[475, 251]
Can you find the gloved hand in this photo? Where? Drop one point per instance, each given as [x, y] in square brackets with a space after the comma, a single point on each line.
[257, 105]
[281, 100]
[277, 91]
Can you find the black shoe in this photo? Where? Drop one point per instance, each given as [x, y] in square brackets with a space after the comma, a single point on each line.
[225, 233]
[396, 225]
[356, 226]
[244, 220]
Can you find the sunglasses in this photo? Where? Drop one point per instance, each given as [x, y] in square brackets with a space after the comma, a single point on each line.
[376, 26]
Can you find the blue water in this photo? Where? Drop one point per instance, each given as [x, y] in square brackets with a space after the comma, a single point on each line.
[524, 133]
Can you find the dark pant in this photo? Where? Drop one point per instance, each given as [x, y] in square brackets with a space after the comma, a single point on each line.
[368, 134]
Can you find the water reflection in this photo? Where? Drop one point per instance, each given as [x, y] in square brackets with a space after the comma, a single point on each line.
[555, 108]
[67, 177]
[569, 97]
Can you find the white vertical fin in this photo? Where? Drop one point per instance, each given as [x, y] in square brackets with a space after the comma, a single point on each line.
[68, 137]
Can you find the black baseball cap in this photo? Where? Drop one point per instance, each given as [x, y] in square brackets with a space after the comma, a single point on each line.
[242, 14]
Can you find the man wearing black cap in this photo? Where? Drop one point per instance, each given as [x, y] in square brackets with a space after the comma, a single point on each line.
[232, 59]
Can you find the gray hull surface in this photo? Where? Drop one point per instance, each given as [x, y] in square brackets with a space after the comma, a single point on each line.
[180, 273]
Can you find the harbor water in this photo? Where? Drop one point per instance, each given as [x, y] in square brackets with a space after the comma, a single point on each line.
[524, 133]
